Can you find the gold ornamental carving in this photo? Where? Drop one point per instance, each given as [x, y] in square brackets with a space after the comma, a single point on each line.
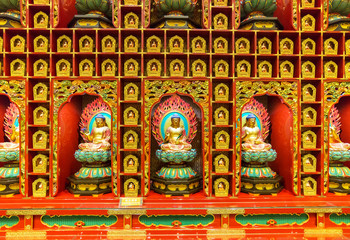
[86, 68]
[308, 46]
[220, 22]
[176, 44]
[40, 115]
[127, 211]
[265, 69]
[221, 187]
[40, 163]
[221, 116]
[18, 68]
[323, 210]
[18, 44]
[330, 46]
[122, 234]
[41, 68]
[25, 212]
[309, 116]
[131, 67]
[41, 20]
[309, 139]
[40, 92]
[220, 45]
[199, 45]
[40, 187]
[130, 164]
[221, 68]
[309, 186]
[154, 68]
[309, 93]
[41, 44]
[64, 44]
[40, 140]
[221, 163]
[199, 68]
[319, 232]
[309, 163]
[130, 140]
[131, 44]
[63, 68]
[286, 46]
[242, 45]
[308, 69]
[330, 69]
[86, 44]
[108, 68]
[108, 44]
[25, 234]
[265, 46]
[286, 69]
[131, 20]
[222, 140]
[131, 92]
[347, 70]
[153, 44]
[131, 187]
[308, 3]
[177, 68]
[243, 68]
[221, 92]
[308, 23]
[131, 116]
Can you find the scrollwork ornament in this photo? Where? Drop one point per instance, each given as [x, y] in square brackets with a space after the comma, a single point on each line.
[288, 91]
[199, 90]
[62, 91]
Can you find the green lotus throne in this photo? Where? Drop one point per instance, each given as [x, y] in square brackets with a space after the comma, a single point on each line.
[10, 16]
[256, 176]
[174, 126]
[338, 11]
[94, 177]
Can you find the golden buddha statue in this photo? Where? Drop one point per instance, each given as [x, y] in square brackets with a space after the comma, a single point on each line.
[252, 138]
[335, 143]
[14, 141]
[175, 138]
[99, 138]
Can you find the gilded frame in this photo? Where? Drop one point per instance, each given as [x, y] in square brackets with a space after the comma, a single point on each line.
[265, 49]
[176, 44]
[127, 120]
[309, 139]
[219, 168]
[308, 46]
[328, 50]
[105, 42]
[265, 69]
[82, 42]
[222, 140]
[307, 95]
[134, 143]
[242, 45]
[40, 140]
[309, 186]
[221, 191]
[64, 46]
[220, 45]
[106, 65]
[20, 68]
[308, 69]
[41, 47]
[284, 48]
[309, 116]
[284, 71]
[131, 67]
[221, 68]
[20, 42]
[150, 44]
[86, 68]
[330, 69]
[240, 67]
[151, 64]
[131, 192]
[226, 92]
[131, 40]
[41, 20]
[131, 17]
[63, 68]
[43, 118]
[223, 24]
[177, 63]
[221, 120]
[129, 97]
[40, 68]
[309, 163]
[198, 45]
[40, 168]
[38, 94]
[347, 70]
[130, 169]
[199, 68]
[308, 23]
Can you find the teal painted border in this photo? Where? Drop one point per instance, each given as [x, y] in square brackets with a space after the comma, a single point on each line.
[9, 221]
[71, 220]
[272, 219]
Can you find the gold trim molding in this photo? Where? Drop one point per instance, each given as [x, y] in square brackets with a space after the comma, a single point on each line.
[127, 212]
[225, 233]
[25, 212]
[25, 234]
[135, 234]
[226, 211]
[323, 210]
[313, 232]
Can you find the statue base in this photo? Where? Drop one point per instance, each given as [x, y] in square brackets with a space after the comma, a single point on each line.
[176, 187]
[9, 186]
[90, 21]
[341, 24]
[339, 178]
[10, 20]
[175, 22]
[263, 186]
[261, 23]
[89, 187]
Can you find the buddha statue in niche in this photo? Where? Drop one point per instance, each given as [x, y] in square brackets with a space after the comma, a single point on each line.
[335, 143]
[252, 138]
[11, 129]
[99, 138]
[175, 138]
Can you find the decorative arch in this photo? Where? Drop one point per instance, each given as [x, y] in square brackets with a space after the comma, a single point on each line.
[107, 90]
[15, 91]
[288, 92]
[333, 91]
[154, 90]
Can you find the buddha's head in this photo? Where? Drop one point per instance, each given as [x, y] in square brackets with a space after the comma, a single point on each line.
[175, 120]
[250, 120]
[100, 120]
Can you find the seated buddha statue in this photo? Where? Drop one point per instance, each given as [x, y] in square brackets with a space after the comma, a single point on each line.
[252, 138]
[13, 145]
[175, 137]
[99, 138]
[335, 144]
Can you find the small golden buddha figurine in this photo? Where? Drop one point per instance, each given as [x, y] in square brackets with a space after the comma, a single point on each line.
[175, 137]
[14, 141]
[252, 138]
[99, 137]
